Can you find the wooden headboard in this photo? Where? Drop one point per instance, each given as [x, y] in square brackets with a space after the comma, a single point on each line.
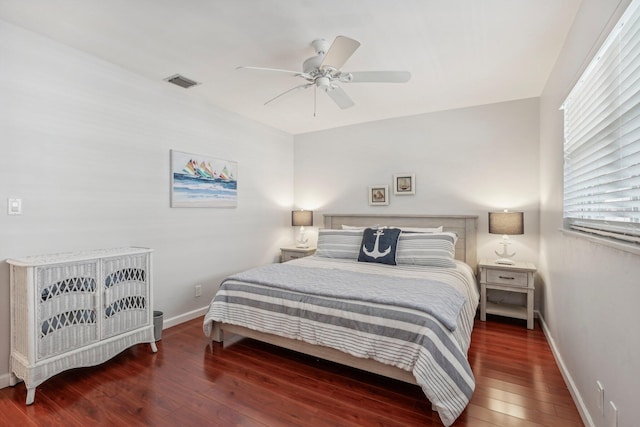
[465, 226]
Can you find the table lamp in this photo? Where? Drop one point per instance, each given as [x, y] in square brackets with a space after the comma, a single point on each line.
[507, 224]
[302, 218]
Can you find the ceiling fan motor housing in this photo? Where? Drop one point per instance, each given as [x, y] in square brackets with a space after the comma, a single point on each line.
[312, 64]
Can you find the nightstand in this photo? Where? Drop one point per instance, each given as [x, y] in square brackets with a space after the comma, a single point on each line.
[289, 253]
[511, 278]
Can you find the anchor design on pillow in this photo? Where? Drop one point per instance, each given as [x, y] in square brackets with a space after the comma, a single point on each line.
[375, 253]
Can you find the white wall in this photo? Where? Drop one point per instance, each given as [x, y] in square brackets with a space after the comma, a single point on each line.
[86, 145]
[590, 291]
[466, 161]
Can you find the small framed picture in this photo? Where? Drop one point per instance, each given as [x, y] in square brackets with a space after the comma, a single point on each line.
[379, 195]
[404, 184]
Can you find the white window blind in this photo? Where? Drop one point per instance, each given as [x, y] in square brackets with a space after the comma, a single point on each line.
[602, 138]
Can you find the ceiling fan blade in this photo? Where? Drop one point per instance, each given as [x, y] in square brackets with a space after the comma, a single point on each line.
[341, 50]
[304, 86]
[340, 97]
[377, 77]
[277, 70]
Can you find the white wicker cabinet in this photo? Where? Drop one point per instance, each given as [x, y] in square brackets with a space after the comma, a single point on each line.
[77, 309]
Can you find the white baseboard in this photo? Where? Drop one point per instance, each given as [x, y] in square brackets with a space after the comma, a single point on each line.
[185, 317]
[575, 394]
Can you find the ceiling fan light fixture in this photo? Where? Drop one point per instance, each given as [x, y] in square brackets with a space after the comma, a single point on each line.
[323, 82]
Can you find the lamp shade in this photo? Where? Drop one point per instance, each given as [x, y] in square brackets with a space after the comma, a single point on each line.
[508, 223]
[301, 218]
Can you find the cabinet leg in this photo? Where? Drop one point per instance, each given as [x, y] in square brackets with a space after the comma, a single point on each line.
[154, 347]
[31, 395]
[13, 380]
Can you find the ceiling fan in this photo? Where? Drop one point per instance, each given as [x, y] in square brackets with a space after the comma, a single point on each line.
[322, 71]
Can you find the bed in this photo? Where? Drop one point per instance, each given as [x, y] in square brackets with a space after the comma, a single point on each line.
[315, 305]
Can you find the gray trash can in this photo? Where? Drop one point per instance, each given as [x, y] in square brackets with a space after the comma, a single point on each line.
[157, 325]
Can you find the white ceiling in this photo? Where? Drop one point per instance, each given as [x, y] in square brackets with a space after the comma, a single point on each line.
[460, 52]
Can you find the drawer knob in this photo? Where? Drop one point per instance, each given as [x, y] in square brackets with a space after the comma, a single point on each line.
[506, 277]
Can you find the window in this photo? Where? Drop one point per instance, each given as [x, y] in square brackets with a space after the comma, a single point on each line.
[602, 138]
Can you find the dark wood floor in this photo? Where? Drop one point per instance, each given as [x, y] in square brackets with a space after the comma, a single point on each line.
[191, 382]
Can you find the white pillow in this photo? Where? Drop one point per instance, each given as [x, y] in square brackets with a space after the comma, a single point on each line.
[421, 230]
[352, 227]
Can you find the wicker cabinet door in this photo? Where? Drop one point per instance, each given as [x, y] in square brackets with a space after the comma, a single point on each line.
[65, 307]
[126, 294]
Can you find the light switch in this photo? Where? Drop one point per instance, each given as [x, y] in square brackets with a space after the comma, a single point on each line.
[14, 206]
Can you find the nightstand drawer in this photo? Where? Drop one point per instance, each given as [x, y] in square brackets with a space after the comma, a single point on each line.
[289, 256]
[505, 277]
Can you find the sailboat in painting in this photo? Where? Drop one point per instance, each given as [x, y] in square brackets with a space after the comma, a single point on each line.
[226, 175]
[196, 181]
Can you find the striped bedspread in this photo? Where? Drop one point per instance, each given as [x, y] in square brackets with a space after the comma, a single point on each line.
[398, 334]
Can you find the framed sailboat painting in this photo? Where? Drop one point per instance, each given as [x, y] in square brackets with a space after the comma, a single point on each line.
[404, 184]
[199, 181]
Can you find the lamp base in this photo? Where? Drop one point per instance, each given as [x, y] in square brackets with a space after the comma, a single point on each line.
[504, 255]
[302, 241]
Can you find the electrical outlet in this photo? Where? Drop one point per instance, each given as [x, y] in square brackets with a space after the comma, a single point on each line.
[612, 418]
[198, 290]
[14, 206]
[600, 397]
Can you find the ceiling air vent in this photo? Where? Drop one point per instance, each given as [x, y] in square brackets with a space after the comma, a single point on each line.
[181, 81]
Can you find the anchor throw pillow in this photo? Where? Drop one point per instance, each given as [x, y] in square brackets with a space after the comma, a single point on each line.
[379, 245]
